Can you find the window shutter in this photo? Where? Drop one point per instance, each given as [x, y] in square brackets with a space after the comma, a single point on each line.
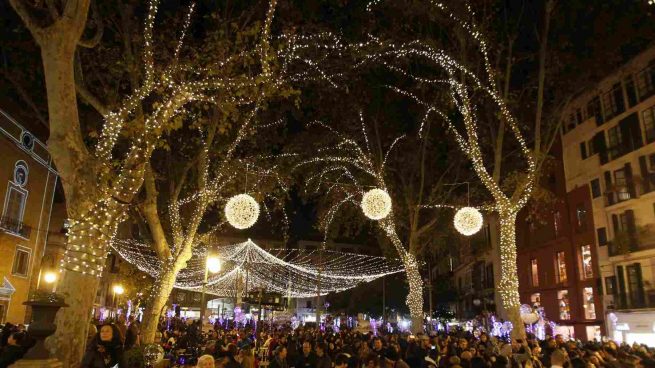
[600, 147]
[643, 167]
[632, 229]
[608, 187]
[615, 224]
[629, 180]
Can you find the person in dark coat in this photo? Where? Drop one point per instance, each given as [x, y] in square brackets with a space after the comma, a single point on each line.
[322, 359]
[105, 350]
[307, 359]
[279, 358]
[14, 349]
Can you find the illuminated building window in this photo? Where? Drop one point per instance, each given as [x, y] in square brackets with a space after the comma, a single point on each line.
[535, 299]
[534, 272]
[560, 262]
[586, 267]
[563, 302]
[588, 303]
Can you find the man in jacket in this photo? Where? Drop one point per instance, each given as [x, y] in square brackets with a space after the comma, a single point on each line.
[322, 360]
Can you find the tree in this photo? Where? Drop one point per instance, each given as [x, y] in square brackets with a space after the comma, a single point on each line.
[472, 92]
[101, 176]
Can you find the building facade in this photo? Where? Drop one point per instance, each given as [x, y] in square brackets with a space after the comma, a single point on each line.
[557, 257]
[608, 139]
[27, 185]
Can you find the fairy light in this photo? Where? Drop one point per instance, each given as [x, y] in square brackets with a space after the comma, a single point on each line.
[289, 271]
[376, 204]
[462, 83]
[338, 168]
[242, 211]
[468, 221]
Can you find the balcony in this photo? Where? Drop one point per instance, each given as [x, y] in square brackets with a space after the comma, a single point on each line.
[636, 300]
[15, 227]
[625, 242]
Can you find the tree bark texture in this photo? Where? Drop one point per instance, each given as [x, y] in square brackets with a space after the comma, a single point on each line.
[158, 297]
[415, 295]
[509, 278]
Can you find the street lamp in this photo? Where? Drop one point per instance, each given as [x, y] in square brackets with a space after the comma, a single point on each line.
[117, 289]
[213, 265]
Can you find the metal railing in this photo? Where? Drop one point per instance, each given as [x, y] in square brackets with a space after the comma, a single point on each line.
[635, 300]
[13, 226]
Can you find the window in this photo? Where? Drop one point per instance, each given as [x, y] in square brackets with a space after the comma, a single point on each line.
[630, 91]
[586, 266]
[534, 272]
[595, 188]
[563, 302]
[308, 304]
[21, 261]
[14, 204]
[588, 303]
[583, 150]
[649, 123]
[621, 184]
[594, 109]
[591, 150]
[581, 215]
[557, 222]
[613, 102]
[615, 141]
[645, 79]
[601, 232]
[560, 261]
[535, 299]
[610, 285]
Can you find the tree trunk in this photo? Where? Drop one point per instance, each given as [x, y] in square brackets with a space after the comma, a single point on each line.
[158, 298]
[509, 284]
[415, 295]
[79, 292]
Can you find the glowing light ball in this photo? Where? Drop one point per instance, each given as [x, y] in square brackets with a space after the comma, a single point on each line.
[468, 221]
[376, 204]
[242, 211]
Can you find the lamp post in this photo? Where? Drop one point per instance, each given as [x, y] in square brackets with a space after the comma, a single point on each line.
[213, 265]
[50, 278]
[117, 289]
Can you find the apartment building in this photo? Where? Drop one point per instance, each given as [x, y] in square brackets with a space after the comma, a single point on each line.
[608, 149]
[27, 184]
[557, 257]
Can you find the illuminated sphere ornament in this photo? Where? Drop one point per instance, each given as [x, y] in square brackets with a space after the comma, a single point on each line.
[376, 204]
[242, 211]
[152, 354]
[468, 221]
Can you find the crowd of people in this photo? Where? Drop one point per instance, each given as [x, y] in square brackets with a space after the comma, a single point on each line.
[304, 347]
[186, 344]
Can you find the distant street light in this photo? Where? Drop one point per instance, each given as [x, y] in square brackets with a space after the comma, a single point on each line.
[117, 289]
[213, 265]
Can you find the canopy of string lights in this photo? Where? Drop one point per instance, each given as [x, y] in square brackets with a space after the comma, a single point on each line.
[297, 273]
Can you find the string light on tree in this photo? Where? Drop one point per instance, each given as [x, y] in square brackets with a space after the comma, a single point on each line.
[242, 211]
[468, 221]
[376, 204]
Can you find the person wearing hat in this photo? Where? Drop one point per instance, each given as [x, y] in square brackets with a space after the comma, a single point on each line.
[393, 360]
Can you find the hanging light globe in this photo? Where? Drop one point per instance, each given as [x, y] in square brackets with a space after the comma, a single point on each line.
[468, 221]
[376, 204]
[242, 211]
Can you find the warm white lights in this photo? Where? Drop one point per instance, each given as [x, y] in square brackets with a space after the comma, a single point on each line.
[468, 221]
[242, 211]
[376, 204]
[214, 264]
[50, 277]
[118, 289]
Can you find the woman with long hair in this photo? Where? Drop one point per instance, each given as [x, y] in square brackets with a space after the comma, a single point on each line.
[105, 350]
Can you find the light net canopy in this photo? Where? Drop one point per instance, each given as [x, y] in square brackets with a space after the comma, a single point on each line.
[297, 273]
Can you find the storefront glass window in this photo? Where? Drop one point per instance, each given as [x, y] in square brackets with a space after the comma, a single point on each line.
[564, 307]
